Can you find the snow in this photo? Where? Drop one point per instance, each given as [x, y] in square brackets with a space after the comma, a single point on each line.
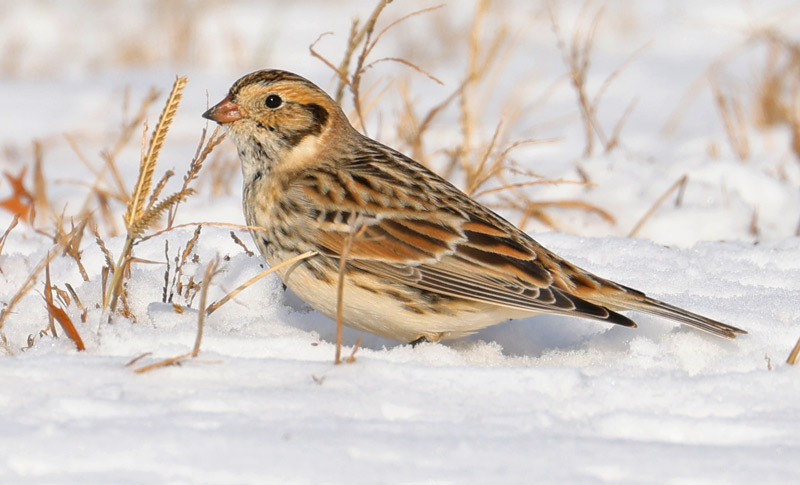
[539, 400]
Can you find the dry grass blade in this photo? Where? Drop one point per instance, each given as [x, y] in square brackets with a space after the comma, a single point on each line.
[795, 354]
[678, 184]
[40, 201]
[214, 306]
[159, 188]
[4, 344]
[732, 115]
[211, 271]
[163, 363]
[48, 298]
[10, 227]
[519, 185]
[356, 231]
[66, 323]
[535, 210]
[194, 224]
[137, 358]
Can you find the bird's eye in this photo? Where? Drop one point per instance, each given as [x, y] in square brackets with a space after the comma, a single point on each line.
[273, 101]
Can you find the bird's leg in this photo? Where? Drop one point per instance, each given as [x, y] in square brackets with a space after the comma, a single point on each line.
[418, 341]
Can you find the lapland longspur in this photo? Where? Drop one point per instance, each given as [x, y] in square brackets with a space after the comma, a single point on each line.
[425, 262]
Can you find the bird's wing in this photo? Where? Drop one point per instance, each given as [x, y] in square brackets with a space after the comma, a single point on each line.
[402, 223]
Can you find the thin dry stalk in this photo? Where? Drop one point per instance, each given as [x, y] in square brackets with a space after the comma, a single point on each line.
[71, 240]
[241, 244]
[754, 230]
[474, 71]
[211, 271]
[194, 224]
[48, 298]
[81, 307]
[355, 80]
[163, 363]
[577, 58]
[732, 115]
[364, 37]
[4, 344]
[340, 289]
[477, 175]
[40, 201]
[159, 188]
[415, 129]
[214, 306]
[519, 185]
[613, 142]
[138, 358]
[180, 262]
[676, 186]
[10, 227]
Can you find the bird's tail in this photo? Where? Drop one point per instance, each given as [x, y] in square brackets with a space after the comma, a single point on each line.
[637, 301]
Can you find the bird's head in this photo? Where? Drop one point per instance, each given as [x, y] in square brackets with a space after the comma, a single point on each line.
[272, 114]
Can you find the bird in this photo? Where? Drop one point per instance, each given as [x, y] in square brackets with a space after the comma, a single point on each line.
[422, 261]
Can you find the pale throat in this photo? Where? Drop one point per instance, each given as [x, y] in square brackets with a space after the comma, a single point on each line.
[304, 153]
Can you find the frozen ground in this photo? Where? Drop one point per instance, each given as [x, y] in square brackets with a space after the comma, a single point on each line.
[539, 400]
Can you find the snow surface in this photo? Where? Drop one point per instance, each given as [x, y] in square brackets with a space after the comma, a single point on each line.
[539, 400]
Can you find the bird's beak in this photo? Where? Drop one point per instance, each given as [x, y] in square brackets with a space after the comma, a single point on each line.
[226, 111]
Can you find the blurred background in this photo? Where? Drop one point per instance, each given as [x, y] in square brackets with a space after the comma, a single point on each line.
[671, 120]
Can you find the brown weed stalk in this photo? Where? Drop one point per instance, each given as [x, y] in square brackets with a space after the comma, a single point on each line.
[139, 217]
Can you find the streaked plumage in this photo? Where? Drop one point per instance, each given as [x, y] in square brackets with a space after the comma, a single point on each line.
[425, 260]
